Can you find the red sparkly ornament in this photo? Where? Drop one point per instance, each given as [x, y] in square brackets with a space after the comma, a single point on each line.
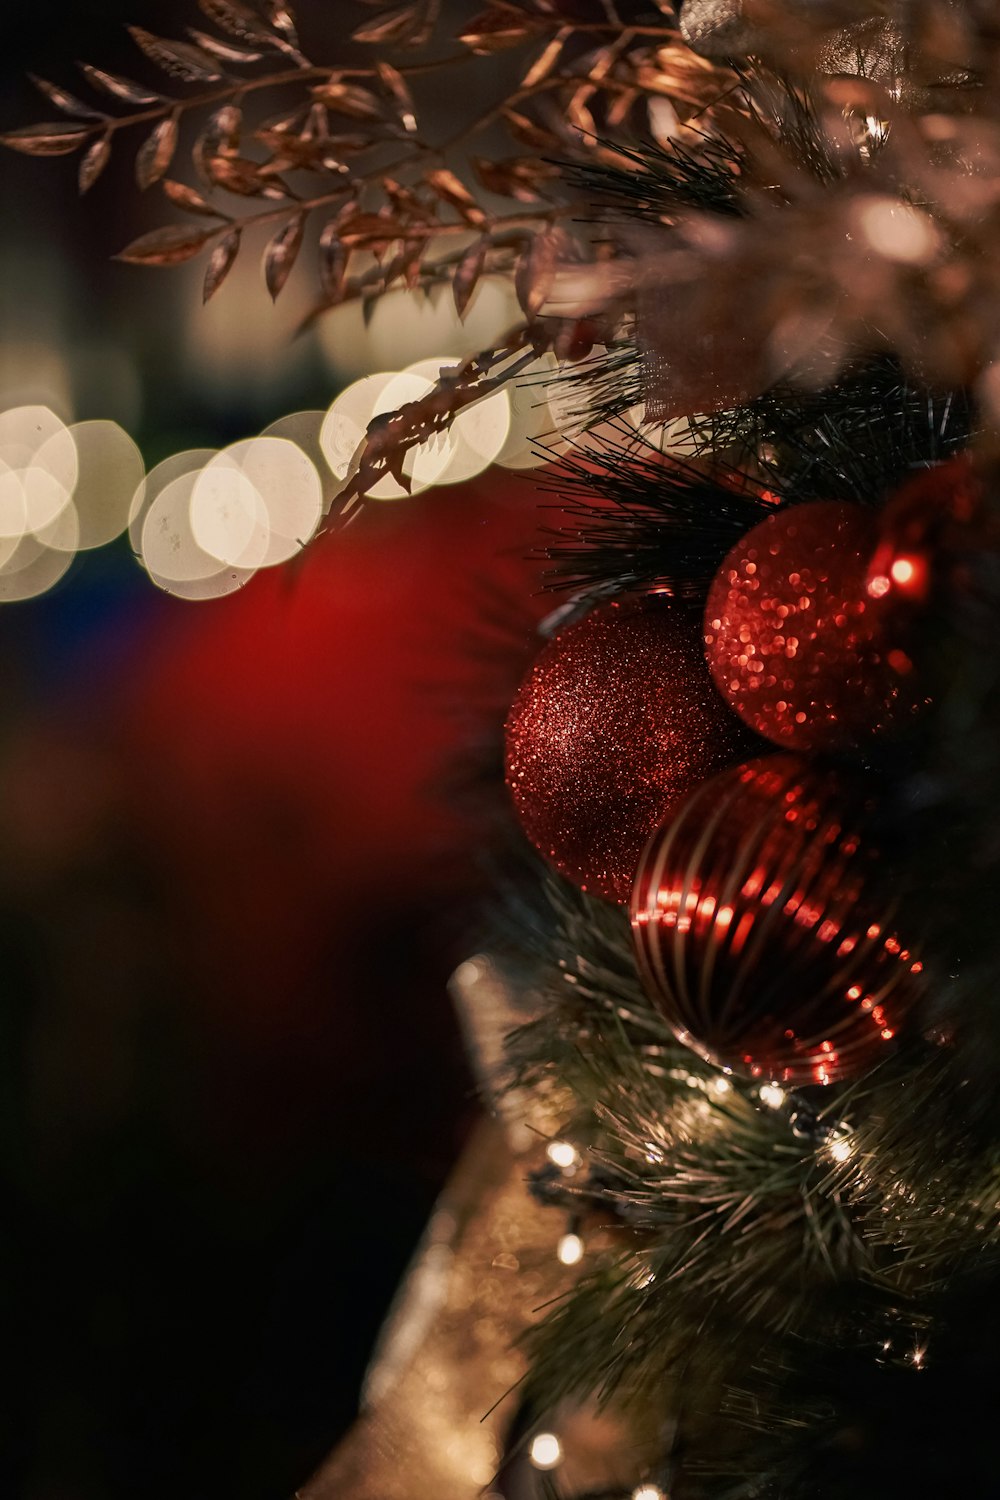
[803, 639]
[760, 930]
[616, 720]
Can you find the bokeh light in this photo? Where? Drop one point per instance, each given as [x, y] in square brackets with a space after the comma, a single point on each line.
[189, 461]
[478, 434]
[545, 1451]
[111, 470]
[172, 555]
[203, 521]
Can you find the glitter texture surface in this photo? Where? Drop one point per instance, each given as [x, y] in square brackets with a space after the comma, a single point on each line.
[760, 930]
[799, 636]
[616, 720]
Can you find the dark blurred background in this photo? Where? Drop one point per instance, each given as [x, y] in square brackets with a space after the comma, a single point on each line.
[232, 885]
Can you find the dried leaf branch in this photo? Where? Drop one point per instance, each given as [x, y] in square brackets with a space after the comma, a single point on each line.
[584, 80]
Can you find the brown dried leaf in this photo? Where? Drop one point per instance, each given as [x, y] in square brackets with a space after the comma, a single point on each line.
[350, 99]
[404, 265]
[390, 29]
[333, 262]
[119, 87]
[451, 190]
[397, 86]
[536, 270]
[188, 198]
[579, 115]
[282, 253]
[64, 100]
[219, 137]
[237, 174]
[282, 19]
[221, 262]
[405, 201]
[168, 246]
[156, 152]
[500, 26]
[46, 140]
[371, 230]
[620, 106]
[519, 177]
[93, 162]
[546, 59]
[239, 20]
[535, 137]
[467, 274]
[227, 52]
[179, 59]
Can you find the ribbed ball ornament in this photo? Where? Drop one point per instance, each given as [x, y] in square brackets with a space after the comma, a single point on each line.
[762, 932]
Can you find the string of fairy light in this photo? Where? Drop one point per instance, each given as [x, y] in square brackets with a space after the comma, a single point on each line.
[546, 1448]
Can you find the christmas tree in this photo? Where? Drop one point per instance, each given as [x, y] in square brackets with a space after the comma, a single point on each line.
[738, 1233]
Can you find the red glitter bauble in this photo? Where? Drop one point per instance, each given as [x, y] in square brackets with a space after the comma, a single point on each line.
[801, 637]
[760, 928]
[616, 720]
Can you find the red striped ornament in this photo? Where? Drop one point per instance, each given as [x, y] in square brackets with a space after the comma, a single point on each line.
[762, 932]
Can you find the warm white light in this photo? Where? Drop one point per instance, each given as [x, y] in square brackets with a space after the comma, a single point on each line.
[62, 534]
[570, 1251]
[288, 503]
[531, 417]
[171, 553]
[228, 516]
[840, 1148]
[562, 1154]
[303, 428]
[771, 1095]
[111, 470]
[720, 1086]
[346, 424]
[38, 469]
[426, 463]
[478, 434]
[649, 1492]
[32, 569]
[13, 504]
[545, 1451]
[898, 231]
[186, 462]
